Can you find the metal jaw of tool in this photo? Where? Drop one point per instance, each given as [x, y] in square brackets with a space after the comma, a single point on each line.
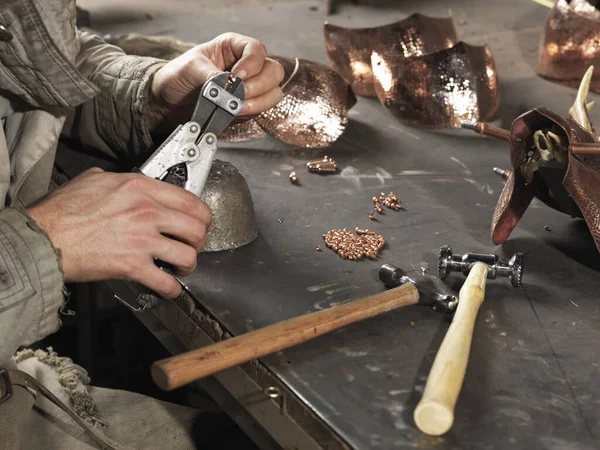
[513, 268]
[185, 158]
[431, 290]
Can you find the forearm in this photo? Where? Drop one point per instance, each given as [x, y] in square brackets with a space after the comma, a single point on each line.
[31, 283]
[115, 121]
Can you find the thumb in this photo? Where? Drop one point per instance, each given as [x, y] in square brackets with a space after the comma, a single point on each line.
[252, 55]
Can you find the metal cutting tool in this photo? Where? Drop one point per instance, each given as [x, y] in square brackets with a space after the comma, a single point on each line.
[184, 159]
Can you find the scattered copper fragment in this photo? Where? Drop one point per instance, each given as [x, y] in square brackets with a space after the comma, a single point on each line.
[372, 215]
[547, 228]
[293, 178]
[439, 89]
[325, 165]
[349, 50]
[319, 249]
[411, 323]
[569, 44]
[354, 246]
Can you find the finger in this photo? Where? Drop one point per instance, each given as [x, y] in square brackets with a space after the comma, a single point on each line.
[257, 105]
[178, 254]
[175, 198]
[158, 280]
[184, 227]
[269, 78]
[250, 53]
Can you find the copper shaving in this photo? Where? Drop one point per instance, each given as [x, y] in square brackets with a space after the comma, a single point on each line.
[354, 246]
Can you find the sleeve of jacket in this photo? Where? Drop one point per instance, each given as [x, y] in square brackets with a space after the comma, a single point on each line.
[114, 121]
[31, 283]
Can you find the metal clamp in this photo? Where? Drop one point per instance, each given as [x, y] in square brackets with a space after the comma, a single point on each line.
[6, 389]
[275, 393]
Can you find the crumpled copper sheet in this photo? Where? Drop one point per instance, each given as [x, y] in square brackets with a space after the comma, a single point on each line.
[581, 180]
[571, 43]
[312, 113]
[440, 89]
[349, 50]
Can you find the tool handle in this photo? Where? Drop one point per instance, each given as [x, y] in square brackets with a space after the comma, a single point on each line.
[179, 370]
[434, 414]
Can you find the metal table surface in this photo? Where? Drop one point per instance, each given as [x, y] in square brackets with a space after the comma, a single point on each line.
[532, 380]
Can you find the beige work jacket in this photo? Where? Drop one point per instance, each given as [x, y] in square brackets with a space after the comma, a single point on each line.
[53, 78]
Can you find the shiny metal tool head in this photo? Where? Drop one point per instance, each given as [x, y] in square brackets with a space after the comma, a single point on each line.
[433, 292]
[512, 269]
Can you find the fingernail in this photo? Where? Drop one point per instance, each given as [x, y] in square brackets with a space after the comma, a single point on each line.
[242, 74]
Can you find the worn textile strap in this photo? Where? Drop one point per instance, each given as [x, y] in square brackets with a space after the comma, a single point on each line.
[23, 379]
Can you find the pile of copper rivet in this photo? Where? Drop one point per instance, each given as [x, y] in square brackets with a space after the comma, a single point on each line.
[389, 201]
[354, 246]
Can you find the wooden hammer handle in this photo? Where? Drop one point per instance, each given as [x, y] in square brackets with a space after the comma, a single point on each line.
[434, 414]
[179, 370]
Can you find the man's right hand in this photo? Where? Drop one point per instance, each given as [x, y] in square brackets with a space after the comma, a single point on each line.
[112, 226]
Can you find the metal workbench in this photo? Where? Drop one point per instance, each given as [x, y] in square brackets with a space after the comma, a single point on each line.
[533, 377]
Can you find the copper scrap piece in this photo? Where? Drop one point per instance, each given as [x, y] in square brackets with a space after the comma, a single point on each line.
[372, 215]
[293, 178]
[441, 89]
[570, 43]
[581, 177]
[349, 49]
[324, 165]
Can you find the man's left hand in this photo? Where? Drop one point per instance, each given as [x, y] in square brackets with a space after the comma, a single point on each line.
[174, 90]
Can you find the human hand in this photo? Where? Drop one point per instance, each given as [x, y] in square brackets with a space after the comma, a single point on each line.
[175, 87]
[111, 226]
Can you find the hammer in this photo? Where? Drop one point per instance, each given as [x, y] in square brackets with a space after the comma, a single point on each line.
[179, 370]
[434, 415]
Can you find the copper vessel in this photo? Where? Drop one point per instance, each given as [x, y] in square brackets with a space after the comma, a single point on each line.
[439, 89]
[349, 49]
[571, 43]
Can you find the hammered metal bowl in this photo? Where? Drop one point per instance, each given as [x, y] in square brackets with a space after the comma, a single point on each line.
[439, 89]
[349, 49]
[571, 43]
[312, 113]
